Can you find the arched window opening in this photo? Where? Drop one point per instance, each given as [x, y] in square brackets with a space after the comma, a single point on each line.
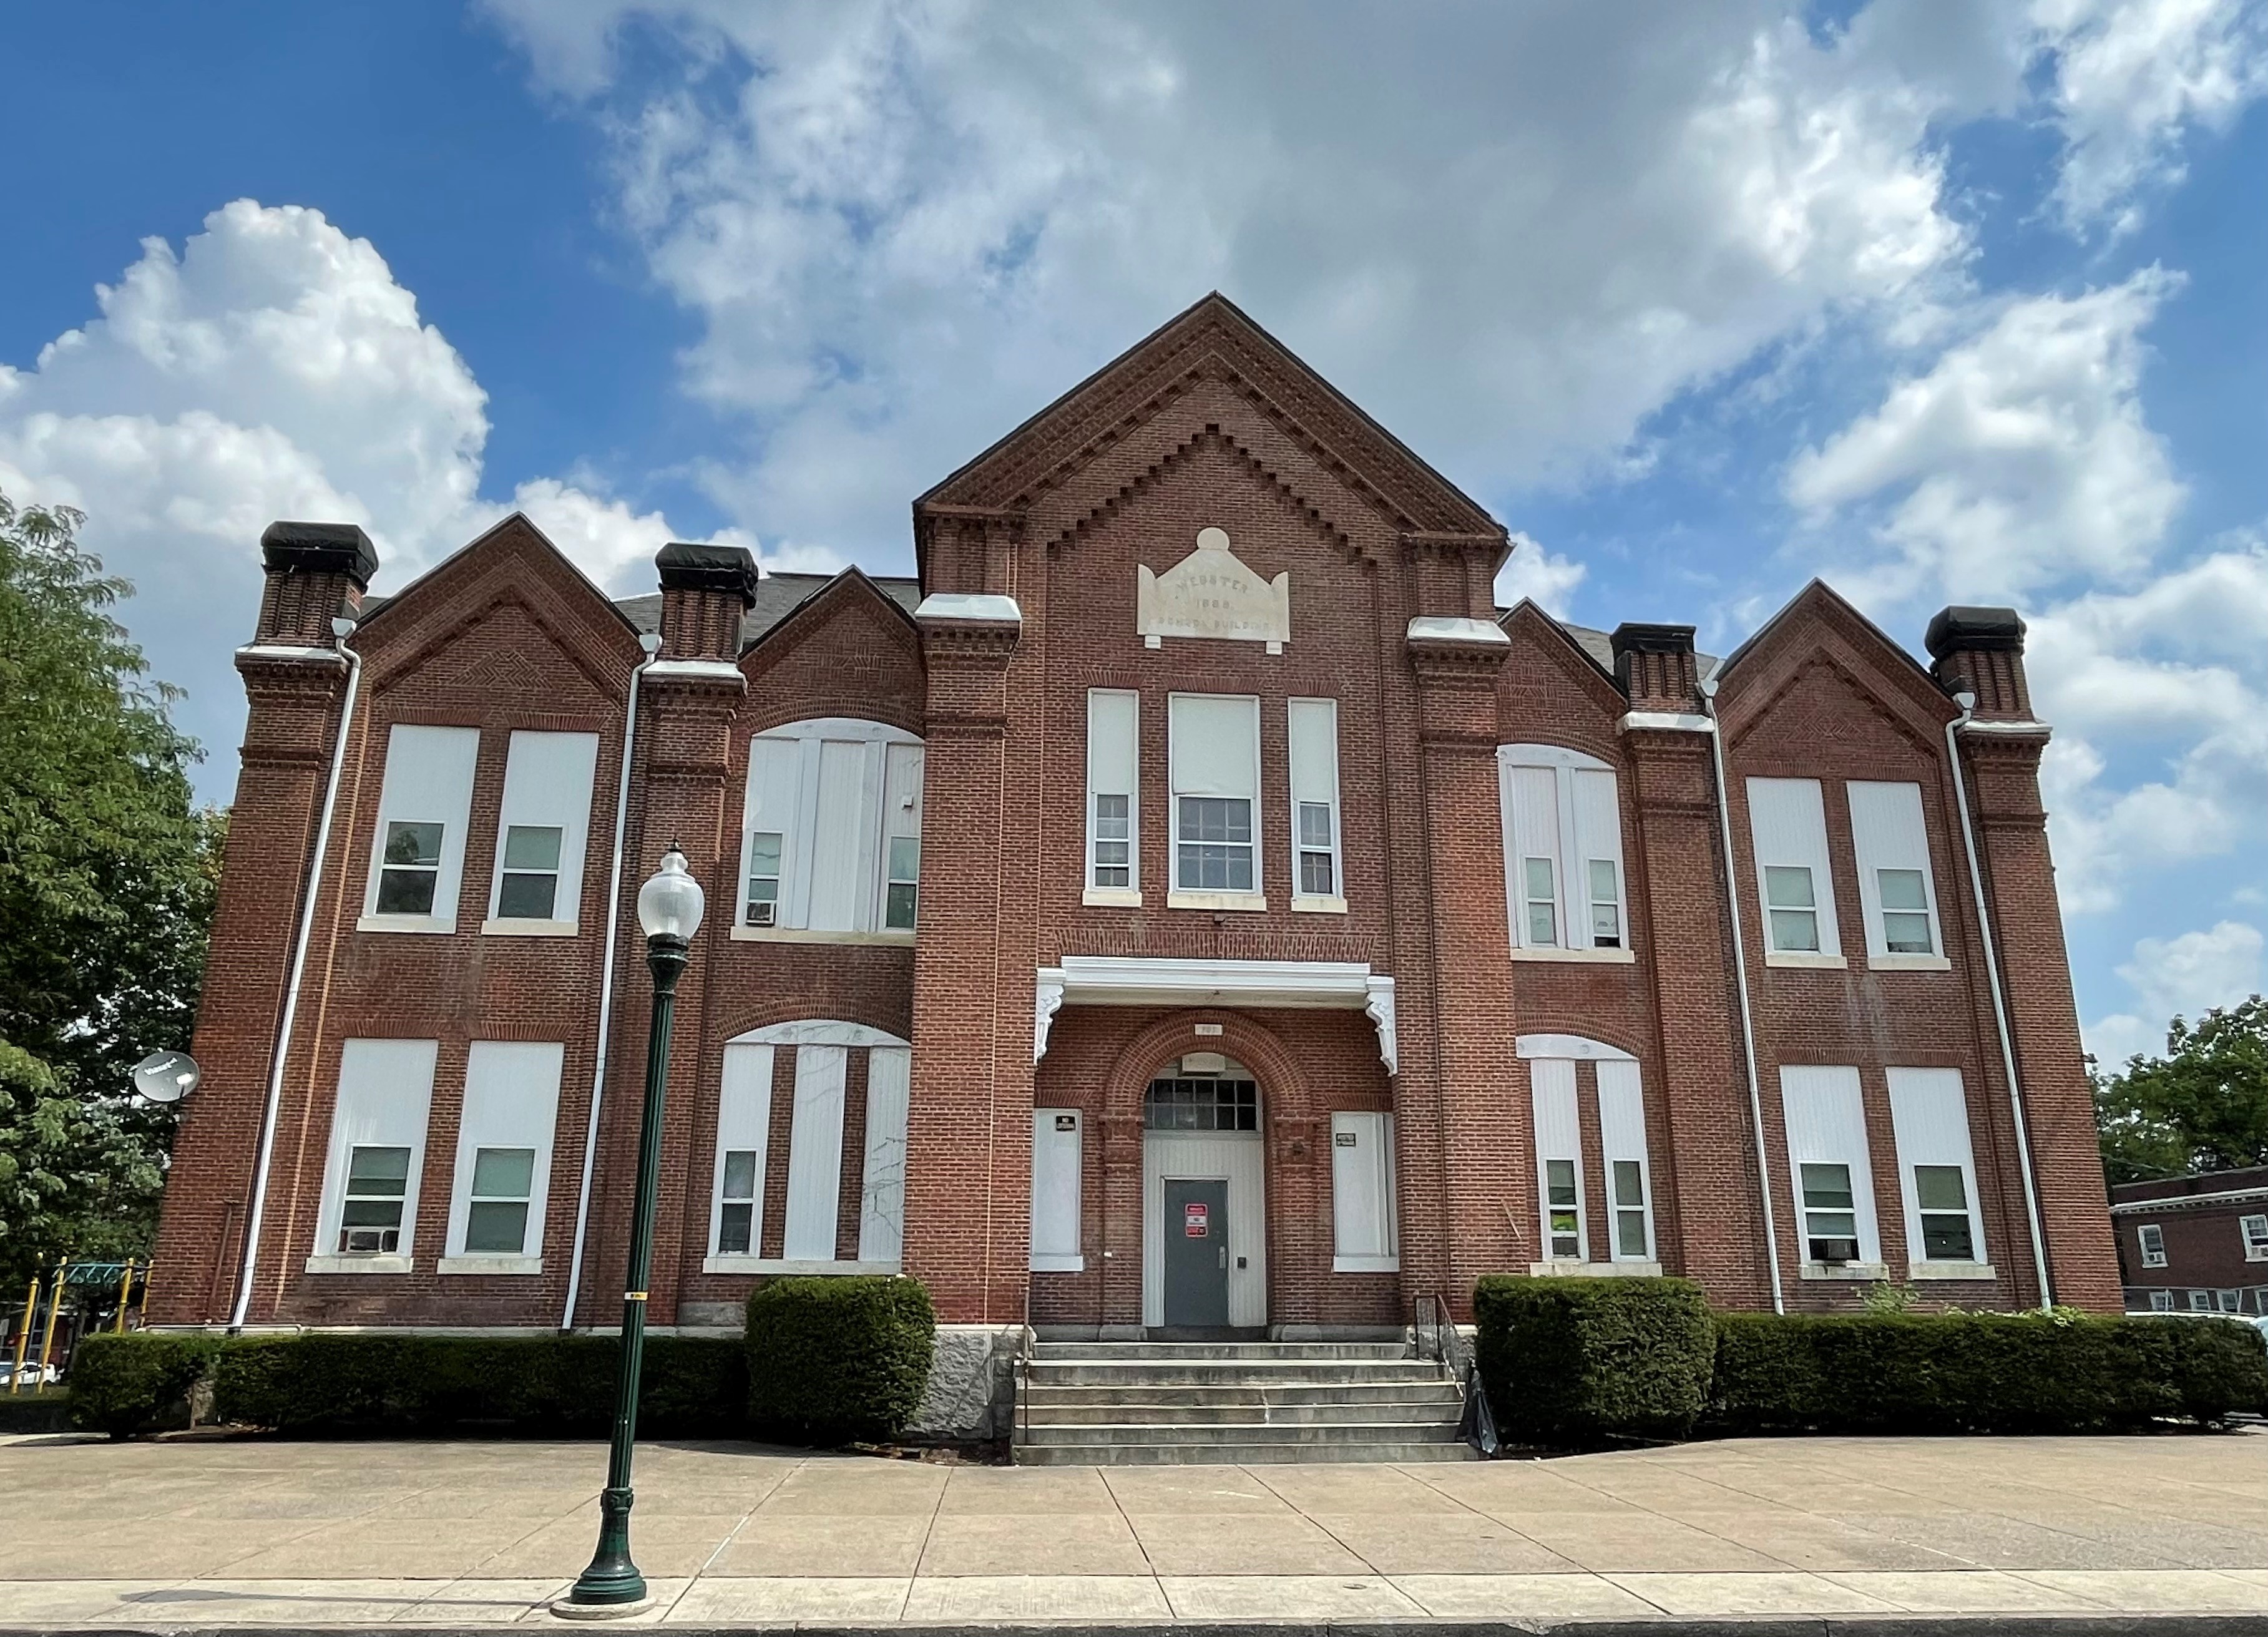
[1203, 1091]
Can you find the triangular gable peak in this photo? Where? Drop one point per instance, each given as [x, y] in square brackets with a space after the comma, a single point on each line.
[1818, 625]
[512, 570]
[1526, 624]
[823, 660]
[1214, 341]
[850, 588]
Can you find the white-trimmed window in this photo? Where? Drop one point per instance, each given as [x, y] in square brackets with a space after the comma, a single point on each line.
[831, 831]
[822, 1053]
[2200, 1301]
[1563, 853]
[2254, 1230]
[1898, 890]
[541, 828]
[2162, 1301]
[1366, 1238]
[1558, 1158]
[369, 1215]
[1057, 1157]
[1113, 863]
[1214, 749]
[1787, 822]
[417, 853]
[1630, 1177]
[2151, 1239]
[503, 1157]
[1318, 881]
[1829, 1169]
[1929, 1114]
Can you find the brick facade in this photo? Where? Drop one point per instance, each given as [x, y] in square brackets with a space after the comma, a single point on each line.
[1030, 558]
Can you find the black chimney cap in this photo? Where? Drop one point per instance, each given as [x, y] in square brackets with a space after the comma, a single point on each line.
[1631, 637]
[319, 548]
[1990, 630]
[686, 566]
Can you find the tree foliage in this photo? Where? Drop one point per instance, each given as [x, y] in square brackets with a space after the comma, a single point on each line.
[2201, 1106]
[107, 871]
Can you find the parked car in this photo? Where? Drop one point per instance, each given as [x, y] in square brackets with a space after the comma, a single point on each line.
[34, 1376]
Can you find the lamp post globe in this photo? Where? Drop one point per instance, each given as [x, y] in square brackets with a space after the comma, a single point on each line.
[669, 907]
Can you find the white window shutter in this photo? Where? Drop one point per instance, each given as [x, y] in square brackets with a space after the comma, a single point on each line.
[1056, 1160]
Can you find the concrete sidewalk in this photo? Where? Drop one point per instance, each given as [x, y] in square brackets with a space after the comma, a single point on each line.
[252, 1532]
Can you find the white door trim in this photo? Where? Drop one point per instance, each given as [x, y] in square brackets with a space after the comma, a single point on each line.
[1238, 1157]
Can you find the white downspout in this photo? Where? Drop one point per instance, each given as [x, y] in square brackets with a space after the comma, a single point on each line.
[651, 641]
[1740, 984]
[1967, 701]
[340, 629]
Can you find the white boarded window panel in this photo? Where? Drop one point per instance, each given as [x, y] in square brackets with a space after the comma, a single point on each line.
[835, 790]
[429, 780]
[547, 783]
[1365, 1232]
[744, 1125]
[882, 1193]
[1827, 1125]
[1787, 822]
[901, 816]
[1622, 1135]
[1887, 833]
[1313, 741]
[1598, 838]
[1113, 765]
[385, 1088]
[1055, 1166]
[1216, 746]
[775, 808]
[849, 798]
[1929, 1118]
[512, 1101]
[814, 1159]
[1535, 835]
[1558, 1136]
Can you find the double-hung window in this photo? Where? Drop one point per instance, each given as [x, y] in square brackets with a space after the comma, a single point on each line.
[1929, 1114]
[1558, 1158]
[1114, 868]
[541, 828]
[417, 854]
[1787, 822]
[830, 846]
[1317, 881]
[1897, 889]
[1563, 853]
[2152, 1240]
[1621, 1133]
[503, 1157]
[1828, 1158]
[1214, 749]
[2254, 1230]
[369, 1214]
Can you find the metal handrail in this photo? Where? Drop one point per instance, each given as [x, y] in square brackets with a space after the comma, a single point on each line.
[1435, 1334]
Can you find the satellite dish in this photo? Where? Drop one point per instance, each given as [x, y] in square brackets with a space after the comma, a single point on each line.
[166, 1076]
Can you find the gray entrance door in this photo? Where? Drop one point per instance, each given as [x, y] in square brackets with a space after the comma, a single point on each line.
[1196, 1253]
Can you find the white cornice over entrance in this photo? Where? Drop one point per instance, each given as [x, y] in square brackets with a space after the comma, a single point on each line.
[1139, 981]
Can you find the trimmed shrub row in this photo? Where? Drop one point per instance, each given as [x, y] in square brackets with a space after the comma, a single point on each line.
[1578, 1360]
[835, 1361]
[132, 1383]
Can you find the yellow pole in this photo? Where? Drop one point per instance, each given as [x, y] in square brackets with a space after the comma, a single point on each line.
[23, 1335]
[125, 1289]
[54, 1312]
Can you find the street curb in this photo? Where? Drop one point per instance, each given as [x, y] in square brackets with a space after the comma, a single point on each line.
[2108, 1624]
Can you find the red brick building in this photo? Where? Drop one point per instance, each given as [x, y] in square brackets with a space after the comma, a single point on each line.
[2194, 1244]
[1190, 903]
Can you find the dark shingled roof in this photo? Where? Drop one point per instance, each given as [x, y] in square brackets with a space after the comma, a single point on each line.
[777, 596]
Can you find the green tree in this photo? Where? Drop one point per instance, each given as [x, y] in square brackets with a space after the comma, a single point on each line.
[107, 869]
[2202, 1107]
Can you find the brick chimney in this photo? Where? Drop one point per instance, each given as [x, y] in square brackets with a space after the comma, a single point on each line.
[316, 572]
[1655, 667]
[704, 592]
[1981, 651]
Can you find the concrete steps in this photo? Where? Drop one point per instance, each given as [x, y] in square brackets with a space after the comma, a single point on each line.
[1120, 1404]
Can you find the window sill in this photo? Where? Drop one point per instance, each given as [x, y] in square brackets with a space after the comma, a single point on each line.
[2147, 1263]
[1806, 957]
[1908, 963]
[490, 1264]
[366, 1264]
[1113, 897]
[1569, 1268]
[780, 1264]
[1253, 902]
[1319, 905]
[1366, 1265]
[527, 929]
[407, 924]
[1043, 1262]
[1610, 957]
[810, 935]
[1868, 1271]
[1952, 1269]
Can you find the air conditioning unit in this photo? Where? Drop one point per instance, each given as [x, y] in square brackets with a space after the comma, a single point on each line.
[370, 1241]
[762, 914]
[1835, 1252]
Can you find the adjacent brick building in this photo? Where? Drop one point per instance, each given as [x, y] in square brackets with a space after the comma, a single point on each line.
[2194, 1244]
[1190, 903]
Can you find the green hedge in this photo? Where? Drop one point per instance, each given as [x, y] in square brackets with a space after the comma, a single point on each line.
[124, 1384]
[1577, 1361]
[837, 1359]
[1979, 1372]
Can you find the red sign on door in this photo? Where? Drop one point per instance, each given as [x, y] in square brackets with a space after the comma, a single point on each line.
[1194, 1218]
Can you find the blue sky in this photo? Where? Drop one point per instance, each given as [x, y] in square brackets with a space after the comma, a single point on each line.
[1939, 303]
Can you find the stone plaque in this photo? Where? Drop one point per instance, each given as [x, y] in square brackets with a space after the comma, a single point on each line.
[1211, 593]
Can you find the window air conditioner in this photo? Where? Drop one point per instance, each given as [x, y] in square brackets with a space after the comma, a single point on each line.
[377, 1241]
[762, 914]
[1835, 1252]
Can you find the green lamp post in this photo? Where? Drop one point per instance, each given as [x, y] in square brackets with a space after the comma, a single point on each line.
[669, 910]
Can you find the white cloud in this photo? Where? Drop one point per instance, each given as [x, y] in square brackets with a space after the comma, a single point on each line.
[2182, 976]
[1534, 573]
[2129, 79]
